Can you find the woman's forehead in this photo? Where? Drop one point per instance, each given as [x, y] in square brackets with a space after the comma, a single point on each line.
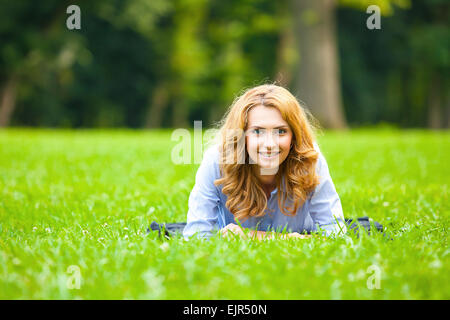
[262, 116]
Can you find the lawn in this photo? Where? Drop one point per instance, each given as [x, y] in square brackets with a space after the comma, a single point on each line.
[75, 205]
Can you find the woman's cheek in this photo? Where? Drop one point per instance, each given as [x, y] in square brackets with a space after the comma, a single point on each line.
[252, 148]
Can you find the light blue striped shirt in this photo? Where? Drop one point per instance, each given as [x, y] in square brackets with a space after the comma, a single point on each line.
[207, 211]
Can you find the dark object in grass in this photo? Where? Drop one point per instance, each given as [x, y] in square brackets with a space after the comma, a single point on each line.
[172, 229]
[366, 223]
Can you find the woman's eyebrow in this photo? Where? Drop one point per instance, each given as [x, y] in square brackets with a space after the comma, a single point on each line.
[258, 127]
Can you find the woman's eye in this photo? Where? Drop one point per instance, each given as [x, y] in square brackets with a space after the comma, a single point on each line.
[277, 131]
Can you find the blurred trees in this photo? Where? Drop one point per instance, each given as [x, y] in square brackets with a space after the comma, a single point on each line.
[318, 70]
[402, 70]
[162, 63]
[33, 53]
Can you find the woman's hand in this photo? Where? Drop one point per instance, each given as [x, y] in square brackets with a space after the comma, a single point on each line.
[298, 235]
[291, 235]
[231, 229]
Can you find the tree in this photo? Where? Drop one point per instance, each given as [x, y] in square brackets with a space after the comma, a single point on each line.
[318, 83]
[318, 73]
[33, 47]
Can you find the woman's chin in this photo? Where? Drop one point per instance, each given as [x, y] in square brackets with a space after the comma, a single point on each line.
[268, 171]
[268, 164]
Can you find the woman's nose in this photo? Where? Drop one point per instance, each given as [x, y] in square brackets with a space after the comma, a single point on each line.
[270, 141]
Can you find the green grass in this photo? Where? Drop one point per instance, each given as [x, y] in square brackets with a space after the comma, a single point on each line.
[85, 198]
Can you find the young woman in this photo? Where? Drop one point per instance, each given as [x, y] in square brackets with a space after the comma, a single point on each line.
[267, 172]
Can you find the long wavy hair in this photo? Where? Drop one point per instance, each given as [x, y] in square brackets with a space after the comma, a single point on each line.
[246, 196]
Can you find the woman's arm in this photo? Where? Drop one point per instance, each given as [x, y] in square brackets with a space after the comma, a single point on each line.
[325, 205]
[202, 216]
[233, 229]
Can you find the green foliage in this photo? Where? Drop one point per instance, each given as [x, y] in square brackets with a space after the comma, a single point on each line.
[386, 6]
[138, 63]
[389, 74]
[85, 198]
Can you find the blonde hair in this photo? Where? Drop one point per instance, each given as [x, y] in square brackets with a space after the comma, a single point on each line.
[246, 197]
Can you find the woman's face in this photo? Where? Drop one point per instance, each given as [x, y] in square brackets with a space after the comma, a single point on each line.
[268, 137]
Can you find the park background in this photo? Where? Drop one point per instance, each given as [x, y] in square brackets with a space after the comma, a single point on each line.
[151, 64]
[85, 145]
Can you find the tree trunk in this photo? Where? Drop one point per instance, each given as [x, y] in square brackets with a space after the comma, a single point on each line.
[434, 106]
[284, 57]
[8, 101]
[447, 113]
[180, 114]
[158, 104]
[438, 105]
[180, 110]
[318, 83]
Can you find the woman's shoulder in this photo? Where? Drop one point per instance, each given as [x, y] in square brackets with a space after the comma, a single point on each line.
[210, 161]
[211, 154]
[316, 146]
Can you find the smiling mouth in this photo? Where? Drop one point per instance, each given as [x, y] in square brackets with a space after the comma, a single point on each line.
[269, 155]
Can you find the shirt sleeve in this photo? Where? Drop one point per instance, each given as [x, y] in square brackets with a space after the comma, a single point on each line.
[204, 199]
[325, 205]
